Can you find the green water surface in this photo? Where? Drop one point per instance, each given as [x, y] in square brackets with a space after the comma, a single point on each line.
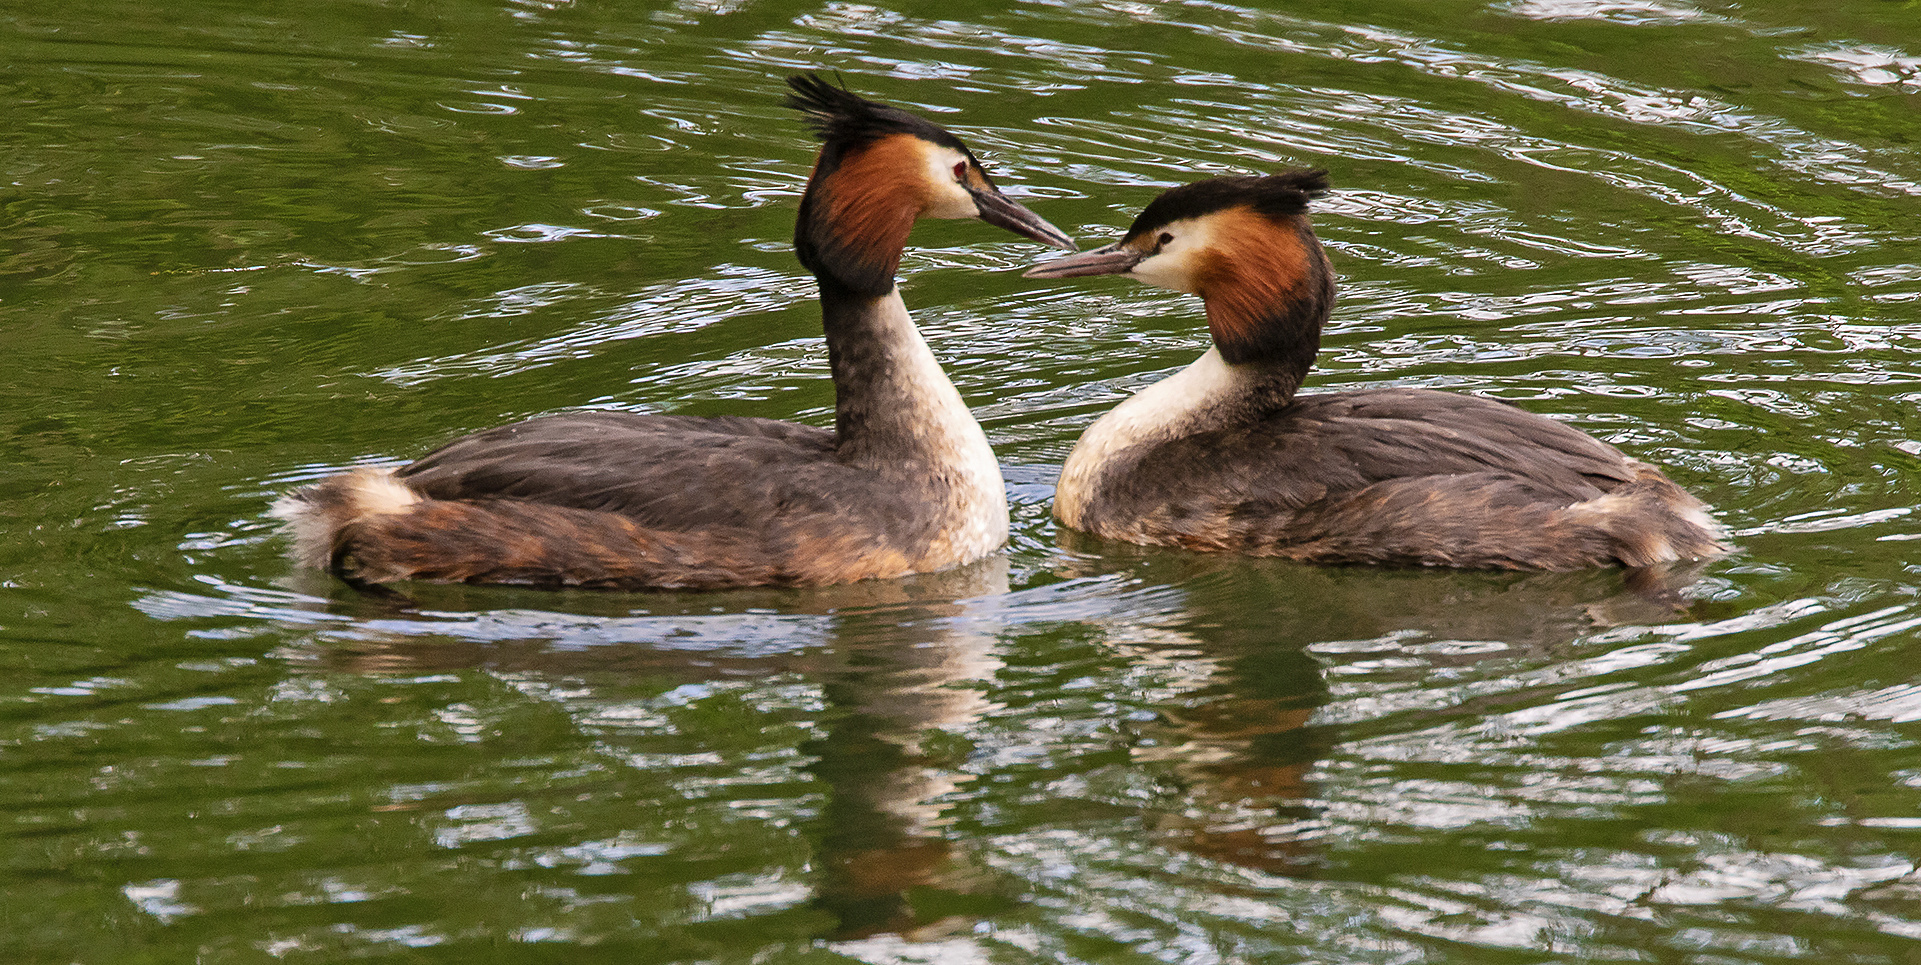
[244, 245]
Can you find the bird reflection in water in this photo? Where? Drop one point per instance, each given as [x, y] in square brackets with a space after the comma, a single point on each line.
[901, 667]
[1245, 656]
[1228, 740]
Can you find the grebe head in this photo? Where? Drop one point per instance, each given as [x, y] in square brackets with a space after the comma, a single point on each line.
[1241, 243]
[881, 169]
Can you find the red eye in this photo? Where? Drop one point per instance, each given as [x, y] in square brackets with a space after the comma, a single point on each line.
[960, 170]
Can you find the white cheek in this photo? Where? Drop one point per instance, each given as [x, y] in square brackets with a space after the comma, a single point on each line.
[1178, 261]
[947, 199]
[1171, 269]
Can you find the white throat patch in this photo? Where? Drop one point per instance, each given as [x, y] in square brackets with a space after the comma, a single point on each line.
[1160, 411]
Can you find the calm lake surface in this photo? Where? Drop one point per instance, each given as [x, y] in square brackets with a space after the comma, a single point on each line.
[247, 244]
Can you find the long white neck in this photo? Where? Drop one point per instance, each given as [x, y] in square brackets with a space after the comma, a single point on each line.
[1208, 390]
[896, 410]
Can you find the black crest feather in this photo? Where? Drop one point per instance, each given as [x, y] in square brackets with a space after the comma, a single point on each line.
[845, 119]
[1274, 195]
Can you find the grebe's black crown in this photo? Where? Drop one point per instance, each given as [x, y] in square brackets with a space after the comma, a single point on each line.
[1274, 195]
[844, 118]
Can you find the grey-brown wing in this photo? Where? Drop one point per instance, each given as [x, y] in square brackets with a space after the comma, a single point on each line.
[1396, 433]
[673, 472]
[1326, 444]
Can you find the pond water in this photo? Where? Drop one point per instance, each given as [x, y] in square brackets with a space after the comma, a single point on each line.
[247, 244]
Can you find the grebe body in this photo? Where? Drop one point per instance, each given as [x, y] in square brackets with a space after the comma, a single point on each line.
[904, 483]
[1225, 455]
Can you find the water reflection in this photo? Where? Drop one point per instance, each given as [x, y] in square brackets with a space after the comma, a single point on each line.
[900, 669]
[899, 683]
[1236, 748]
[1247, 738]
[904, 694]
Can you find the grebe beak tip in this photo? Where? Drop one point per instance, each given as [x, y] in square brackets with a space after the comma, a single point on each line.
[1109, 260]
[1001, 211]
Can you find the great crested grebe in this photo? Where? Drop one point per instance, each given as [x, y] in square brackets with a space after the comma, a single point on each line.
[904, 483]
[1224, 456]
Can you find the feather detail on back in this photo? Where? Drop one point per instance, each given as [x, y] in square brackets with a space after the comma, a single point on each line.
[1395, 476]
[529, 543]
[619, 500]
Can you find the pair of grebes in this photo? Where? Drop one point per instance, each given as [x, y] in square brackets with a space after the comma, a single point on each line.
[1223, 456]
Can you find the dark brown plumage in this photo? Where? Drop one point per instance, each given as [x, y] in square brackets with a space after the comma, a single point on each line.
[905, 483]
[1224, 456]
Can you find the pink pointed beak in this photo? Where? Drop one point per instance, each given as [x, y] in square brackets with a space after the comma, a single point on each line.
[1110, 260]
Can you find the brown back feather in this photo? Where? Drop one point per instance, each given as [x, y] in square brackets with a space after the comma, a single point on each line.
[1400, 476]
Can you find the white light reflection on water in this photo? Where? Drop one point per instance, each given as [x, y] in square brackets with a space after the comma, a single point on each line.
[1630, 12]
[1126, 756]
[1873, 66]
[669, 308]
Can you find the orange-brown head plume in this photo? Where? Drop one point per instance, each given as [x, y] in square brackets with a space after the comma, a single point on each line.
[1245, 246]
[857, 212]
[871, 182]
[1266, 280]
[861, 200]
[1268, 288]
